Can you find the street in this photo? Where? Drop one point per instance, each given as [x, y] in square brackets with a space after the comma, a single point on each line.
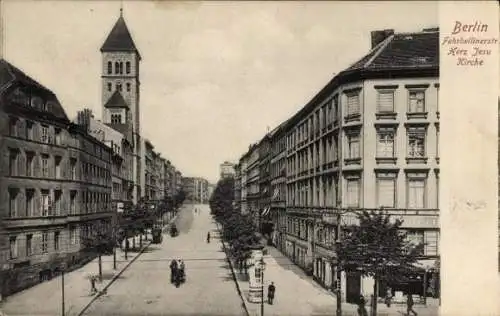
[145, 289]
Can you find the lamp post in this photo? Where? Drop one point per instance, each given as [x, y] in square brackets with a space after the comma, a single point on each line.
[262, 266]
[63, 266]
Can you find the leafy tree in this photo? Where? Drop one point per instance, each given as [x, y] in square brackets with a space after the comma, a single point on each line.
[378, 248]
[101, 242]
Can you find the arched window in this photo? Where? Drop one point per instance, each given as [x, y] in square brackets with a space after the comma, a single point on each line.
[127, 67]
[116, 118]
[121, 68]
[117, 67]
[119, 87]
[128, 86]
[110, 68]
[109, 86]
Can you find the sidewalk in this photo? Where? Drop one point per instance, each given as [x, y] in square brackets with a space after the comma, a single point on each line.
[46, 298]
[298, 294]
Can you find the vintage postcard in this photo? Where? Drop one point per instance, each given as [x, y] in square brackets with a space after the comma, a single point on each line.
[249, 158]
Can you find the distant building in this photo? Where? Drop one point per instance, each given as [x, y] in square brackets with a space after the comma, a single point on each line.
[227, 170]
[196, 189]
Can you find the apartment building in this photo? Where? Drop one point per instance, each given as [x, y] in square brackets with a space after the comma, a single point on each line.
[237, 188]
[55, 184]
[278, 187]
[264, 149]
[243, 163]
[227, 170]
[367, 140]
[253, 185]
[196, 189]
[149, 173]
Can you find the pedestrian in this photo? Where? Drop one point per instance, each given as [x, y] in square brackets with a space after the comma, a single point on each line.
[388, 297]
[361, 306]
[208, 237]
[93, 289]
[409, 305]
[173, 270]
[271, 289]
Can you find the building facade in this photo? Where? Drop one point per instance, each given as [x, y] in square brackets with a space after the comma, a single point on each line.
[227, 170]
[237, 188]
[196, 189]
[264, 149]
[55, 184]
[253, 184]
[368, 140]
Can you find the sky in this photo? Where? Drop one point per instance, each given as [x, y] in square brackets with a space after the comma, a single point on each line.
[214, 75]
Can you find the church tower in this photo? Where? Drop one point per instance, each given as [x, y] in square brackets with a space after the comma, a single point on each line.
[120, 79]
[120, 86]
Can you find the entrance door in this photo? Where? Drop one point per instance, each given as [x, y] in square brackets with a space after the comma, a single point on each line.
[353, 287]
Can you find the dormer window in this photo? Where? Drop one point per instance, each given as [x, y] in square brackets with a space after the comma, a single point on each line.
[37, 103]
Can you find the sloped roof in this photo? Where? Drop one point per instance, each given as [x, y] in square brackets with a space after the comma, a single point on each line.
[119, 39]
[10, 75]
[413, 50]
[116, 101]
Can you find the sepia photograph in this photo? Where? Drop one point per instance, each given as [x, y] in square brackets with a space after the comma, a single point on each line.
[220, 158]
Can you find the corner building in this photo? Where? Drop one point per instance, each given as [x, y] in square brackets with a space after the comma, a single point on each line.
[55, 185]
[369, 139]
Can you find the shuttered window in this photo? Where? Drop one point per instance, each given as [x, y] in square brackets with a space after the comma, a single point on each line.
[353, 107]
[416, 193]
[385, 143]
[353, 192]
[431, 238]
[386, 192]
[385, 102]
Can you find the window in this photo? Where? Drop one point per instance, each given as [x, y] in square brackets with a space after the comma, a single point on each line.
[116, 118]
[13, 126]
[353, 146]
[417, 101]
[121, 68]
[29, 131]
[29, 245]
[117, 68]
[416, 144]
[57, 202]
[13, 211]
[13, 162]
[13, 247]
[386, 190]
[72, 202]
[119, 87]
[415, 237]
[385, 143]
[353, 106]
[58, 136]
[45, 242]
[56, 241]
[45, 134]
[353, 192]
[431, 239]
[45, 166]
[416, 193]
[437, 142]
[385, 102]
[72, 163]
[128, 86]
[58, 167]
[110, 86]
[45, 203]
[127, 67]
[72, 235]
[30, 171]
[110, 68]
[30, 194]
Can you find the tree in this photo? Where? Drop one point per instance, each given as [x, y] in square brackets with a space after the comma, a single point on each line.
[378, 248]
[100, 241]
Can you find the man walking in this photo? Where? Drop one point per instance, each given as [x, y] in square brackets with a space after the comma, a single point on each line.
[271, 289]
[409, 305]
[173, 270]
[208, 237]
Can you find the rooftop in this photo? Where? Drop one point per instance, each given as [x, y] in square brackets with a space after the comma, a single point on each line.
[119, 39]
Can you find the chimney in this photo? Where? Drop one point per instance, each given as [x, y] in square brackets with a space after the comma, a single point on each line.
[380, 36]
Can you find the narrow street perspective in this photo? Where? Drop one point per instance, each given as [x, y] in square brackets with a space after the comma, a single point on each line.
[145, 288]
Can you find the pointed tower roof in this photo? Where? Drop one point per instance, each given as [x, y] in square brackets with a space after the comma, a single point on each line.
[116, 101]
[119, 39]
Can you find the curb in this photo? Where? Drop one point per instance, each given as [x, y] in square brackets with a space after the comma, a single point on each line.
[233, 273]
[95, 297]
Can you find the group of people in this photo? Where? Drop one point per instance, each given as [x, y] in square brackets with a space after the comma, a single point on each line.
[177, 272]
[388, 300]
